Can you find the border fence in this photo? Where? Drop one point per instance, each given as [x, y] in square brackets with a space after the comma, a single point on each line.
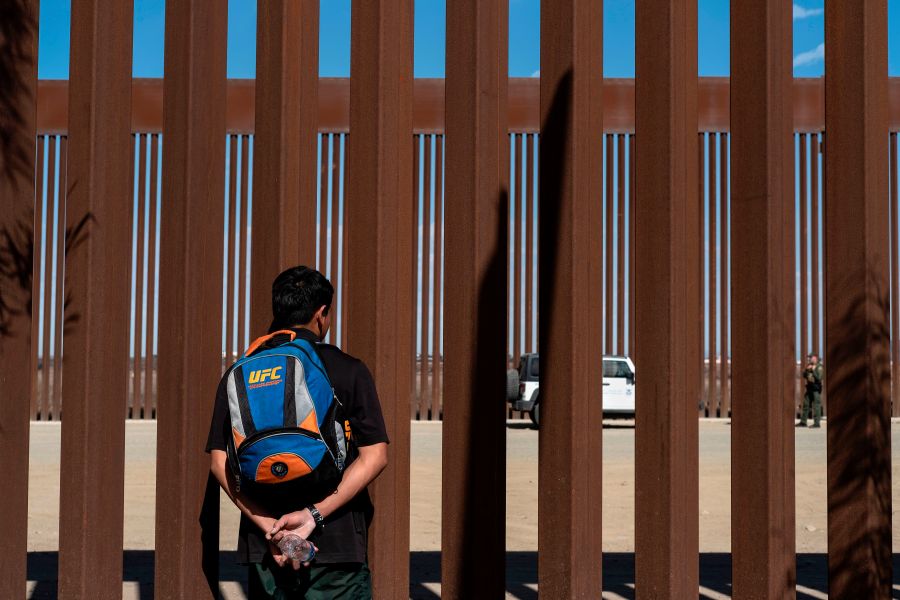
[428, 248]
[706, 227]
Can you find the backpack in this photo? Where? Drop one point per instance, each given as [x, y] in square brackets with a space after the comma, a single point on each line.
[284, 421]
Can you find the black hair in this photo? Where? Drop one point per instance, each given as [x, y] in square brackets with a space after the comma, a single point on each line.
[297, 294]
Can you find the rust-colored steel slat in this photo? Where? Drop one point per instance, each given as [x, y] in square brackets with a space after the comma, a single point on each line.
[137, 366]
[804, 251]
[570, 183]
[476, 220]
[52, 229]
[711, 266]
[38, 405]
[17, 188]
[152, 261]
[608, 244]
[857, 300]
[803, 232]
[426, 278]
[814, 240]
[529, 204]
[631, 146]
[241, 239]
[620, 246]
[99, 183]
[232, 350]
[307, 98]
[344, 254]
[416, 238]
[335, 234]
[436, 363]
[724, 281]
[517, 213]
[895, 281]
[762, 150]
[700, 363]
[60, 274]
[378, 209]
[334, 221]
[282, 214]
[666, 432]
[324, 179]
[187, 495]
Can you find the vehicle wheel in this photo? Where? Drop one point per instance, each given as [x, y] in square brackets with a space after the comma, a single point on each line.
[535, 414]
[512, 384]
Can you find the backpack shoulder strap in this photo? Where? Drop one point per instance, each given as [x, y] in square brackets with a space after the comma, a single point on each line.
[260, 342]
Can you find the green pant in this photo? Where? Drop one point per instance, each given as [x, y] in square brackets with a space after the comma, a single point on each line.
[814, 398]
[343, 581]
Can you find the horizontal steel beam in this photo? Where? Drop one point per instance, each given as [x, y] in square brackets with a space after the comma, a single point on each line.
[428, 105]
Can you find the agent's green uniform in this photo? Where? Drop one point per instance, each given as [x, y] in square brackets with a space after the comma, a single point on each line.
[814, 378]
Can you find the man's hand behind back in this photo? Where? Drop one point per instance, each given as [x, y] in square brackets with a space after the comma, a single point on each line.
[300, 523]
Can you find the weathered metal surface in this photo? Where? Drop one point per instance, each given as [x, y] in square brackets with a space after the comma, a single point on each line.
[530, 204]
[895, 281]
[700, 342]
[476, 218]
[666, 435]
[38, 224]
[152, 265]
[804, 250]
[814, 214]
[724, 279]
[518, 213]
[136, 407]
[232, 350]
[282, 216]
[17, 221]
[100, 183]
[762, 188]
[571, 295]
[53, 226]
[620, 245]
[187, 507]
[857, 300]
[428, 108]
[437, 365]
[378, 226]
[427, 239]
[631, 244]
[417, 305]
[344, 253]
[712, 243]
[609, 221]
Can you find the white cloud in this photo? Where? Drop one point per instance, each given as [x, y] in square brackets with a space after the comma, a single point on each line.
[810, 57]
[536, 73]
[805, 13]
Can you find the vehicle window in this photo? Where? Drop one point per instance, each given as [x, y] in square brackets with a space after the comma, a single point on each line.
[535, 367]
[616, 368]
[522, 362]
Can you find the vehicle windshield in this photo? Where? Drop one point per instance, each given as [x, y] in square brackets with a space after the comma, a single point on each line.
[616, 368]
[529, 367]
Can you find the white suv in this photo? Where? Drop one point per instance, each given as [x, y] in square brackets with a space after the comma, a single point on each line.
[523, 386]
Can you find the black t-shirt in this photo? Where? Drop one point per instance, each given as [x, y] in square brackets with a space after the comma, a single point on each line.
[344, 536]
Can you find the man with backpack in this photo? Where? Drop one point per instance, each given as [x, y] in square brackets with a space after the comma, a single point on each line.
[296, 436]
[813, 376]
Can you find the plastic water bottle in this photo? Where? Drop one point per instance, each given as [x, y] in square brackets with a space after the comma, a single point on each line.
[296, 548]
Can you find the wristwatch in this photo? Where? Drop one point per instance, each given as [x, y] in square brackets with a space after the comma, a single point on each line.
[316, 515]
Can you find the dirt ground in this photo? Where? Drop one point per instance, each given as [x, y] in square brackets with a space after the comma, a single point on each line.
[522, 499]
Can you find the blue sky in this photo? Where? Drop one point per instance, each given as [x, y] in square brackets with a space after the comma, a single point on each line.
[524, 29]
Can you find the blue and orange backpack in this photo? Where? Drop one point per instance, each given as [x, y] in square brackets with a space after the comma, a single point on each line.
[285, 424]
